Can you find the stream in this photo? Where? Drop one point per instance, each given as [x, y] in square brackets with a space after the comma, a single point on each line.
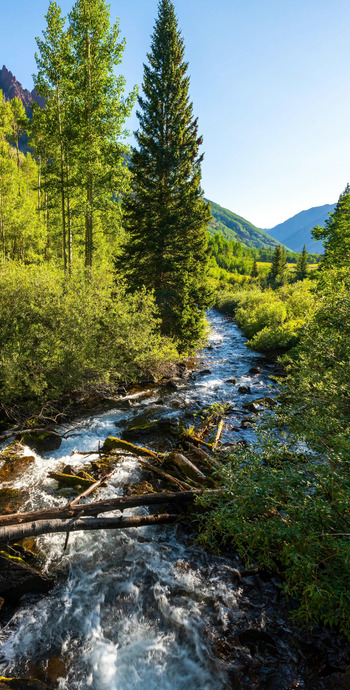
[146, 608]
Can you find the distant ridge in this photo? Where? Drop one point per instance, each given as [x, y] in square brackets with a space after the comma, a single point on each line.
[234, 227]
[296, 231]
[12, 88]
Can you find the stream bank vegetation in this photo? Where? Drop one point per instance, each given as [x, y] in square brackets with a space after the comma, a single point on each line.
[286, 500]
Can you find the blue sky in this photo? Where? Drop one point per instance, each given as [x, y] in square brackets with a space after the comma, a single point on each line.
[269, 83]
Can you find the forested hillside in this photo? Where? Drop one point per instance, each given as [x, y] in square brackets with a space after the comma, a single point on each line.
[233, 227]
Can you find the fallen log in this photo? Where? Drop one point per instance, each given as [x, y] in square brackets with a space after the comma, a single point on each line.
[201, 455]
[72, 480]
[192, 437]
[185, 466]
[181, 485]
[35, 529]
[90, 489]
[111, 443]
[119, 503]
[218, 434]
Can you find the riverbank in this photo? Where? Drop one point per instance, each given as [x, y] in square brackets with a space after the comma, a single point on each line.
[148, 607]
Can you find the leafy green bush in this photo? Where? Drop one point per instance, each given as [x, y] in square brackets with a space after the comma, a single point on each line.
[289, 509]
[290, 512]
[57, 334]
[271, 319]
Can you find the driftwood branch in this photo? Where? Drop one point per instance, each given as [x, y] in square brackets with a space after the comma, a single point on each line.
[119, 503]
[218, 433]
[35, 529]
[181, 485]
[20, 432]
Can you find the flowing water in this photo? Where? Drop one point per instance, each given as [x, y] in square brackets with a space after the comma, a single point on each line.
[132, 608]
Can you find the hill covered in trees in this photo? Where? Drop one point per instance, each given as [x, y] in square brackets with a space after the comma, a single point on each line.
[234, 227]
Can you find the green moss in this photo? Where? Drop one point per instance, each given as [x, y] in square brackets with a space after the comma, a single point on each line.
[112, 443]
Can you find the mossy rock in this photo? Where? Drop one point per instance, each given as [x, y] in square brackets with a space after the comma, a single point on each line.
[17, 579]
[43, 443]
[10, 500]
[111, 443]
[22, 684]
[13, 461]
[139, 488]
[72, 481]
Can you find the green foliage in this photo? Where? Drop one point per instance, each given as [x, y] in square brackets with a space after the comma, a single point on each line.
[271, 319]
[57, 335]
[277, 274]
[301, 267]
[165, 214]
[290, 512]
[317, 399]
[78, 136]
[22, 235]
[288, 509]
[336, 234]
[233, 227]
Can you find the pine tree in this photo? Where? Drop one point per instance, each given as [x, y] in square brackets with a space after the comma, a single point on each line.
[255, 270]
[301, 267]
[278, 267]
[166, 215]
[336, 233]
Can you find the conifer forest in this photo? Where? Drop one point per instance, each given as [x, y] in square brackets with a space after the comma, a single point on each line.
[114, 276]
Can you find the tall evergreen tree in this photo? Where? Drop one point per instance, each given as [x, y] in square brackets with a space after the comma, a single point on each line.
[278, 266]
[166, 215]
[336, 233]
[301, 267]
[255, 270]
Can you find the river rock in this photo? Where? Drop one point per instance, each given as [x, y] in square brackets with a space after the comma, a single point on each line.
[204, 372]
[254, 370]
[244, 390]
[43, 443]
[17, 579]
[14, 461]
[251, 406]
[234, 381]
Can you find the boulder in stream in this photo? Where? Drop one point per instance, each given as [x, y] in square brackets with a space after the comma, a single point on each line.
[13, 461]
[17, 579]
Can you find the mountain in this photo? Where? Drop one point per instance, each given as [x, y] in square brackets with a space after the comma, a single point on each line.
[12, 88]
[296, 231]
[233, 227]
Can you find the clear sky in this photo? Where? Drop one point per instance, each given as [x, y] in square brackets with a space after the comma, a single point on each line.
[269, 83]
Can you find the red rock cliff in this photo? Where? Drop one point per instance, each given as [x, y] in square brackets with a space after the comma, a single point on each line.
[12, 88]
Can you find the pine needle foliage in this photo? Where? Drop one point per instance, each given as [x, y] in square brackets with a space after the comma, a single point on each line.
[165, 214]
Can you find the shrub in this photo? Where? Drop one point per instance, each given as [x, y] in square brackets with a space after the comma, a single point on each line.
[57, 334]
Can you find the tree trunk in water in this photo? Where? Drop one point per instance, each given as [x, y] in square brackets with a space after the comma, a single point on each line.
[35, 529]
[120, 503]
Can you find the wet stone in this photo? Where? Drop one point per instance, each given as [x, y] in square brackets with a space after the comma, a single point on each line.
[17, 579]
[13, 462]
[244, 390]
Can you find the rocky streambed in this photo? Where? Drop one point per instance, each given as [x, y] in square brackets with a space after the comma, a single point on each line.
[146, 607]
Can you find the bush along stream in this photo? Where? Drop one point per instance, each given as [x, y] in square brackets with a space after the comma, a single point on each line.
[146, 606]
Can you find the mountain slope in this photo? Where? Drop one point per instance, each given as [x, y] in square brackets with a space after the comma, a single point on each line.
[296, 231]
[12, 88]
[233, 227]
